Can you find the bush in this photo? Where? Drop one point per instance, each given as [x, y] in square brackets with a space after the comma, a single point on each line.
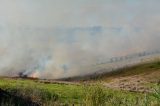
[34, 93]
[156, 94]
[94, 95]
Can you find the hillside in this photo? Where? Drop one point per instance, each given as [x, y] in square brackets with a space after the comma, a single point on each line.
[137, 78]
[140, 78]
[132, 86]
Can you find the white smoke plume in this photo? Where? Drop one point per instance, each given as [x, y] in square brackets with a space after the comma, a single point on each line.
[56, 39]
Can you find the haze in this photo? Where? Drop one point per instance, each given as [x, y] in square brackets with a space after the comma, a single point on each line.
[57, 38]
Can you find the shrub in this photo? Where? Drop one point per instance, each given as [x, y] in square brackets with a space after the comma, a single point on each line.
[35, 93]
[156, 93]
[94, 95]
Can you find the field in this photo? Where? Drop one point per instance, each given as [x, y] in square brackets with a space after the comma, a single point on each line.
[131, 86]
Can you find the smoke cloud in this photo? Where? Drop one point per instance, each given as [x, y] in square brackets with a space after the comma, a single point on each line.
[56, 39]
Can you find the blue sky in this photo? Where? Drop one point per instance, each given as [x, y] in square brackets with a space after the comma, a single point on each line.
[73, 33]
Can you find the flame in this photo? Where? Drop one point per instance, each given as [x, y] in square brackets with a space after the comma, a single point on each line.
[35, 74]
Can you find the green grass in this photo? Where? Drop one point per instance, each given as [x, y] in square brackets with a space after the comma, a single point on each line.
[144, 68]
[91, 95]
[66, 93]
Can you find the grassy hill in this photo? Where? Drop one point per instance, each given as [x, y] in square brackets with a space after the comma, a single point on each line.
[138, 78]
[129, 86]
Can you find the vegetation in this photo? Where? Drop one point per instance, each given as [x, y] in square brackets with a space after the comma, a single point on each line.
[144, 68]
[85, 95]
[40, 92]
[156, 94]
[92, 93]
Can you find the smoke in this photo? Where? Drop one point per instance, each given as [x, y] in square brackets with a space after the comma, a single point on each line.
[40, 39]
[64, 52]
